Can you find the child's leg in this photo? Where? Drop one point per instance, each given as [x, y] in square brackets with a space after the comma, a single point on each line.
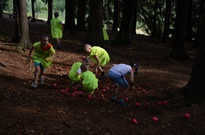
[42, 69]
[37, 67]
[59, 42]
[36, 74]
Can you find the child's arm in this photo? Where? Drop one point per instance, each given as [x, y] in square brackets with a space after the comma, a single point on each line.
[97, 63]
[132, 78]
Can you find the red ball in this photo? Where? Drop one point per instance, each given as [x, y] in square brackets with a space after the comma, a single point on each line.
[154, 118]
[134, 121]
[187, 115]
[137, 104]
[90, 97]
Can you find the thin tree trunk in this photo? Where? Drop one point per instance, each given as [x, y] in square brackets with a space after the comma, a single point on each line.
[154, 22]
[135, 19]
[167, 21]
[33, 11]
[50, 11]
[69, 19]
[81, 15]
[95, 24]
[116, 16]
[189, 32]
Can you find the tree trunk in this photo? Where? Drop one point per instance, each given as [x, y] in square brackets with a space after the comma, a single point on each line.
[22, 30]
[50, 11]
[95, 24]
[33, 11]
[1, 12]
[116, 15]
[124, 35]
[167, 21]
[69, 17]
[135, 19]
[189, 33]
[196, 85]
[154, 21]
[81, 15]
[178, 51]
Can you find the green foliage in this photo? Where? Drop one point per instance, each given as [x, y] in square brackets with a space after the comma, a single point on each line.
[5, 4]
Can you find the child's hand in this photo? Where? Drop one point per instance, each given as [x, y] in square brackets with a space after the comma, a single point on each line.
[48, 59]
[132, 86]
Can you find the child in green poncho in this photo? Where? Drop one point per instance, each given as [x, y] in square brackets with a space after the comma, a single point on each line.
[75, 71]
[89, 80]
[57, 29]
[99, 56]
[42, 57]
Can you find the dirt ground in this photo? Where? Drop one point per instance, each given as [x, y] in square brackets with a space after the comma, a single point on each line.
[48, 110]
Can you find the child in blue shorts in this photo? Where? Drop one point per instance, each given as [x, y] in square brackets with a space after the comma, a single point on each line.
[42, 57]
[117, 75]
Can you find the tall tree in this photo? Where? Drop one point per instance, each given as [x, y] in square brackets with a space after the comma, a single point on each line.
[196, 84]
[178, 51]
[81, 15]
[95, 23]
[124, 35]
[69, 16]
[50, 10]
[167, 20]
[21, 35]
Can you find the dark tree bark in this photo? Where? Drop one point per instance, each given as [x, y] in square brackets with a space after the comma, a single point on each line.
[178, 51]
[95, 23]
[124, 35]
[33, 11]
[69, 17]
[196, 85]
[50, 11]
[167, 21]
[189, 33]
[1, 12]
[135, 18]
[21, 35]
[116, 15]
[154, 22]
[81, 15]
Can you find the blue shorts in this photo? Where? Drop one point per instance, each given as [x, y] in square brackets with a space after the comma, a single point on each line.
[118, 80]
[36, 64]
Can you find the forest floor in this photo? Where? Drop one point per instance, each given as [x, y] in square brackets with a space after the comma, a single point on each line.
[49, 110]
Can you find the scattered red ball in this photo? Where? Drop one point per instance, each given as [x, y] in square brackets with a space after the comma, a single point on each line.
[104, 90]
[90, 97]
[126, 99]
[187, 115]
[154, 118]
[55, 85]
[165, 102]
[137, 104]
[134, 121]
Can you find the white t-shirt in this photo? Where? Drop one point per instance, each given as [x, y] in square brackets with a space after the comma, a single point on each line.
[121, 69]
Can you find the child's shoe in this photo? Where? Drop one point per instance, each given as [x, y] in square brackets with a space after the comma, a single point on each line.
[102, 76]
[41, 80]
[114, 99]
[122, 102]
[34, 85]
